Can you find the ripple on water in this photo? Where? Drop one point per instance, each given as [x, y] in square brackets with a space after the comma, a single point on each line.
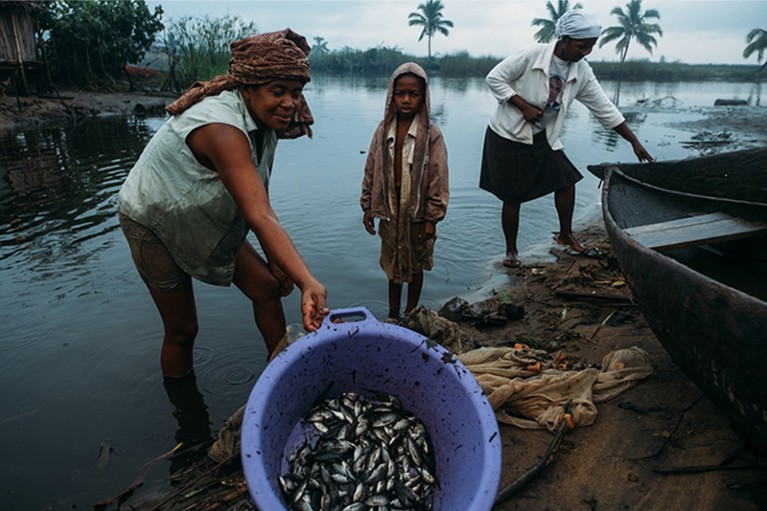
[202, 356]
[239, 376]
[228, 365]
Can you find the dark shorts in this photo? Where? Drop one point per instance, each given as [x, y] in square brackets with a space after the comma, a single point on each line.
[516, 172]
[154, 263]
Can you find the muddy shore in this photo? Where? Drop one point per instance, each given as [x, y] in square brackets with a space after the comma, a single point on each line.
[660, 445]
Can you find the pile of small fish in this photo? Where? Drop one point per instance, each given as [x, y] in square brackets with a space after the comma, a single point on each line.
[371, 454]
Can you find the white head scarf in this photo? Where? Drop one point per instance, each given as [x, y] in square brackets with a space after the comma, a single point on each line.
[578, 24]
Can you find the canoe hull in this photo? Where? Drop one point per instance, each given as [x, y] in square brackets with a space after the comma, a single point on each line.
[715, 333]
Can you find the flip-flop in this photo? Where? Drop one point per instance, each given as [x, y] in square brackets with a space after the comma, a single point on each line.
[511, 262]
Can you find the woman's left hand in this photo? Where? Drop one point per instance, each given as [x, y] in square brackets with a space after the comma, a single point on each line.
[641, 153]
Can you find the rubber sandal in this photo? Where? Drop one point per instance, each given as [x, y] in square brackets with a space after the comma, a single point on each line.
[511, 262]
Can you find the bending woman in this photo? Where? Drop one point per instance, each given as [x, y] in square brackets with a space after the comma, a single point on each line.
[201, 184]
[523, 158]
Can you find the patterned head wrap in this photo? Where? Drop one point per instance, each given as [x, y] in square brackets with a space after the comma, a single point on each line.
[578, 24]
[258, 60]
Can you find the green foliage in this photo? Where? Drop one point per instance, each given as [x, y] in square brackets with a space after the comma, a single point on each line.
[378, 60]
[198, 48]
[430, 18]
[91, 41]
[757, 43]
[546, 33]
[382, 60]
[320, 46]
[633, 24]
[461, 64]
[504, 296]
[644, 70]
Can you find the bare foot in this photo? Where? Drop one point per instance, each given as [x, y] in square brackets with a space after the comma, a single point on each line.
[570, 241]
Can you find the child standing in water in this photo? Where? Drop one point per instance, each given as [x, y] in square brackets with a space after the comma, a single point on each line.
[405, 185]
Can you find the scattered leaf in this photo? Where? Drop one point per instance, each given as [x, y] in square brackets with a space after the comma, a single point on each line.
[102, 460]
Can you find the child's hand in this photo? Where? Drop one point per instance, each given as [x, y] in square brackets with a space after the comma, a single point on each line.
[428, 231]
[367, 221]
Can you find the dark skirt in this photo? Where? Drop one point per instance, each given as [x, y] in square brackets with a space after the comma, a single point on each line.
[516, 172]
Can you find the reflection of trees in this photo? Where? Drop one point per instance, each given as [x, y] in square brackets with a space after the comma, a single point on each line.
[59, 185]
[458, 84]
[609, 138]
[755, 94]
[375, 84]
[616, 98]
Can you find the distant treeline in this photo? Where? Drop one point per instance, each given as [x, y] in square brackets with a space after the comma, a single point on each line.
[93, 44]
[383, 60]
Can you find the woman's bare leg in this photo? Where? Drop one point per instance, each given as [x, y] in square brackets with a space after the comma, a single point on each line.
[254, 278]
[179, 319]
[510, 225]
[564, 200]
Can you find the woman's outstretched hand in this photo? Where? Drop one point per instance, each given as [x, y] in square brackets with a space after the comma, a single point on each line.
[314, 306]
[642, 153]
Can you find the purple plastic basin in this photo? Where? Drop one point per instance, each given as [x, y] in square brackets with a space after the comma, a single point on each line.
[362, 355]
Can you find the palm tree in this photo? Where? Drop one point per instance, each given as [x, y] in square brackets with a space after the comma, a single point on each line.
[633, 24]
[546, 32]
[320, 45]
[757, 42]
[430, 18]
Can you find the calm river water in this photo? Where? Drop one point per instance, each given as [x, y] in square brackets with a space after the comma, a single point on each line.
[79, 350]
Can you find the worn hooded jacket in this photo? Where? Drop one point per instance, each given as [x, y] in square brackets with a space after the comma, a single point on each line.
[428, 171]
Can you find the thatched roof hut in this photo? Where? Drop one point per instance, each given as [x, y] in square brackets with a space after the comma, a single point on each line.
[19, 51]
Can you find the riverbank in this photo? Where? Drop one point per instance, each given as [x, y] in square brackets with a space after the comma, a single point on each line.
[71, 106]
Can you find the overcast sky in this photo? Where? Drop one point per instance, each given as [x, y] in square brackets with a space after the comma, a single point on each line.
[694, 31]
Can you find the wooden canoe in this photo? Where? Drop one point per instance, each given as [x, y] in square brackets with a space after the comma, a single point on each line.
[691, 239]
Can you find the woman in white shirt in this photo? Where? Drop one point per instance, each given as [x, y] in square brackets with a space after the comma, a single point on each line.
[523, 158]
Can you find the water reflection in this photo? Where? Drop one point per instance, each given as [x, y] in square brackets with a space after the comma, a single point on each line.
[610, 138]
[57, 185]
[193, 421]
[616, 95]
[755, 94]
